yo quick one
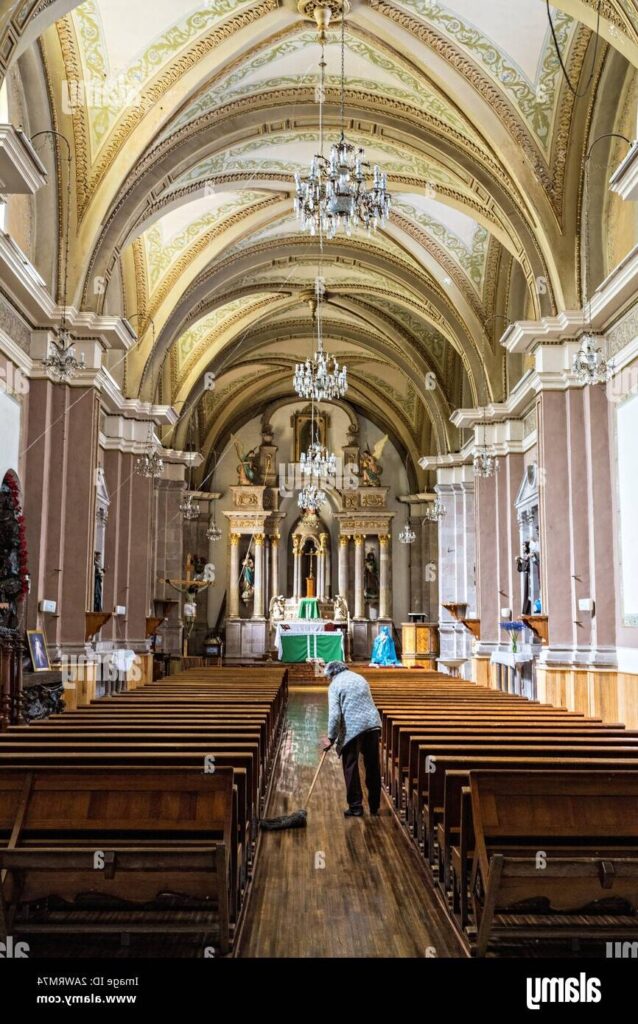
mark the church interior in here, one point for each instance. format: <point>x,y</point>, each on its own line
<point>318,343</point>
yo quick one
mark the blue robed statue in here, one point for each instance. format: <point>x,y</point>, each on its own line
<point>383,649</point>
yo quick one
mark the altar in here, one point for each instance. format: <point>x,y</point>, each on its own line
<point>308,640</point>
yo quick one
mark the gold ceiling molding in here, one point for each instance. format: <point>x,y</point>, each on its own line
<point>209,123</point>
<point>563,119</point>
<point>493,262</point>
<point>141,279</point>
<point>453,315</point>
<point>179,266</point>
<point>227,324</point>
<point>153,93</point>
<point>466,67</point>
<point>610,12</point>
<point>443,259</point>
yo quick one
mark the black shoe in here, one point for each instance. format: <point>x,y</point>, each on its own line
<point>356,813</point>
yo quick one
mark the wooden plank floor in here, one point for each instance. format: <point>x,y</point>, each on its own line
<point>341,887</point>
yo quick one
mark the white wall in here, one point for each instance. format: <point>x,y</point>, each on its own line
<point>627,493</point>
<point>10,417</point>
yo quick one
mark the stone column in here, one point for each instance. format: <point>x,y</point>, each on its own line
<point>233,577</point>
<point>296,577</point>
<point>359,600</point>
<point>274,565</point>
<point>384,576</point>
<point>342,581</point>
<point>258,603</point>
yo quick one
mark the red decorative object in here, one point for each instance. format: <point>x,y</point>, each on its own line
<point>12,484</point>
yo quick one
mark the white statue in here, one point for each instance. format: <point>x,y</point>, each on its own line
<point>276,608</point>
<point>340,609</point>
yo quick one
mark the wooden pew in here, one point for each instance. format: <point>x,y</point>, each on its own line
<point>586,823</point>
<point>126,837</point>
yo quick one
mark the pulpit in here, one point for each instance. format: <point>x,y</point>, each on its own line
<point>420,644</point>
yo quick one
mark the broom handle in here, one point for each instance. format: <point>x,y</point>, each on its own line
<point>312,785</point>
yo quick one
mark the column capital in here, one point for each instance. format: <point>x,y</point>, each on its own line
<point>234,539</point>
<point>343,540</point>
<point>275,538</point>
<point>358,539</point>
<point>296,544</point>
<point>384,539</point>
<point>323,541</point>
<point>258,539</point>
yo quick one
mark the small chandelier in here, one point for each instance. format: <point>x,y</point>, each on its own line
<point>61,359</point>
<point>435,511</point>
<point>484,462</point>
<point>590,365</point>
<point>150,464</point>
<point>311,498</point>
<point>321,377</point>
<point>407,534</point>
<point>317,463</point>
<point>213,532</point>
<point>483,459</point>
<point>189,510</point>
<point>335,195</point>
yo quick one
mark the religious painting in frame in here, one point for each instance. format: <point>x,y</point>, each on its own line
<point>302,430</point>
<point>38,650</point>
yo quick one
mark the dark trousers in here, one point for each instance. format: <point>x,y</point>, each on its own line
<point>366,743</point>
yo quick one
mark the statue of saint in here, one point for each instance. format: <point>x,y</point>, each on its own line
<point>383,649</point>
<point>248,468</point>
<point>371,468</point>
<point>339,609</point>
<point>248,578</point>
<point>98,574</point>
<point>525,564</point>
<point>277,608</point>
<point>371,577</point>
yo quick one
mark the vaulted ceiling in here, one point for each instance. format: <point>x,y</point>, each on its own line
<point>188,121</point>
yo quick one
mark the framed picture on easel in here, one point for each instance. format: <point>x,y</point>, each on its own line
<point>38,650</point>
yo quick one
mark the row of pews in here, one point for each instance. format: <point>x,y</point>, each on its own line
<point>139,812</point>
<point>526,814</point>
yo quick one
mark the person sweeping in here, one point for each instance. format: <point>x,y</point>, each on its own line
<point>354,727</point>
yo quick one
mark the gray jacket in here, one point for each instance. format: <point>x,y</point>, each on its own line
<point>351,709</point>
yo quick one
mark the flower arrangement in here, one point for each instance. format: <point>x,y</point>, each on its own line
<point>514,627</point>
<point>11,484</point>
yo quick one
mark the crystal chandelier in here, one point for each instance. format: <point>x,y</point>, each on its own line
<point>590,365</point>
<point>321,377</point>
<point>335,195</point>
<point>150,464</point>
<point>483,459</point>
<point>435,511</point>
<point>213,532</point>
<point>311,498</point>
<point>61,359</point>
<point>317,463</point>
<point>188,509</point>
<point>407,535</point>
<point>484,462</point>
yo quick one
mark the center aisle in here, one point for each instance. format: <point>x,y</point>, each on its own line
<point>341,887</point>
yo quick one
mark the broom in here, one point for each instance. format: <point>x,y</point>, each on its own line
<point>297,819</point>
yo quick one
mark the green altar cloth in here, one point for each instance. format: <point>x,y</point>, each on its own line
<point>301,646</point>
<point>309,608</point>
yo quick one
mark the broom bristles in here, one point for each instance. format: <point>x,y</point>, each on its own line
<point>298,819</point>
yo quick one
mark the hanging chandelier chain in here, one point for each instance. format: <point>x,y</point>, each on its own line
<point>343,72</point>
